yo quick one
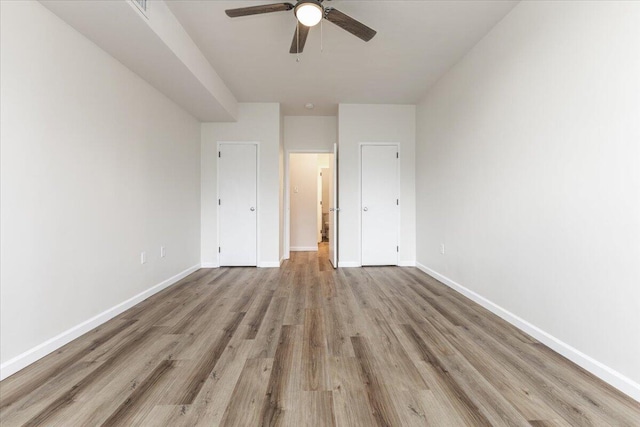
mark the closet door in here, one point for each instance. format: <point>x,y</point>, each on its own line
<point>379,204</point>
<point>237,204</point>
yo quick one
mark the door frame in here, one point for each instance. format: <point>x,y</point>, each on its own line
<point>398,189</point>
<point>258,209</point>
<point>287,195</point>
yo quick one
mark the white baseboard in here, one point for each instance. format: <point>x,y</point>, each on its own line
<point>269,264</point>
<point>607,374</point>
<point>209,265</point>
<point>349,264</point>
<point>406,264</point>
<point>304,249</point>
<point>21,361</point>
<point>281,261</point>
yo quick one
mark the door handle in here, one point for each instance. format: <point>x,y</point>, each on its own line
<point>332,209</point>
<point>252,209</point>
<point>365,209</point>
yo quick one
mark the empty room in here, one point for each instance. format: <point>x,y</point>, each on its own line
<point>319,213</point>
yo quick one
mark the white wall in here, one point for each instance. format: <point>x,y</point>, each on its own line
<point>310,133</point>
<point>256,122</point>
<point>529,172</point>
<point>303,190</point>
<point>96,167</point>
<point>282,208</point>
<point>374,123</point>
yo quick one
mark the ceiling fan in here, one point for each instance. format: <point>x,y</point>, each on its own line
<point>308,13</point>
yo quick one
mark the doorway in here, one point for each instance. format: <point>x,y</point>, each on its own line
<point>311,203</point>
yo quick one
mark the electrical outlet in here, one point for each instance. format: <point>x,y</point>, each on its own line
<point>163,252</point>
<point>442,248</point>
<point>143,257</point>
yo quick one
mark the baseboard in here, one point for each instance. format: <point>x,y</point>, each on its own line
<point>281,261</point>
<point>23,360</point>
<point>602,371</point>
<point>209,265</point>
<point>269,264</point>
<point>304,249</point>
<point>348,264</point>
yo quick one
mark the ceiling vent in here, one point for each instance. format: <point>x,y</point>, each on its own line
<point>142,5</point>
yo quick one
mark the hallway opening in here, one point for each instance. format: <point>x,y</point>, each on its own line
<point>311,200</point>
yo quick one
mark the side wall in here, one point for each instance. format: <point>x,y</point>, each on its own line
<point>97,167</point>
<point>374,123</point>
<point>256,122</point>
<point>529,174</point>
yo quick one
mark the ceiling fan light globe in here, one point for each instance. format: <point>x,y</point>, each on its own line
<point>309,13</point>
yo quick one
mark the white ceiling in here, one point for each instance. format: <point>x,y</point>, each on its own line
<point>417,42</point>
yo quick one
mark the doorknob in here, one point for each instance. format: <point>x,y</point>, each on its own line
<point>252,209</point>
<point>365,209</point>
<point>332,209</point>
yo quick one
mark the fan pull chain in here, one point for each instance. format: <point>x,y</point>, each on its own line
<point>321,47</point>
<point>297,42</point>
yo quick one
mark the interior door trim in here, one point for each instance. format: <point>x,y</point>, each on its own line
<point>287,195</point>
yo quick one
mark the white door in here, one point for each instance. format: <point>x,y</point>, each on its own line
<point>333,208</point>
<point>237,204</point>
<point>380,204</point>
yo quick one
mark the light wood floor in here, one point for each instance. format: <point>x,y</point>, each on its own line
<point>305,345</point>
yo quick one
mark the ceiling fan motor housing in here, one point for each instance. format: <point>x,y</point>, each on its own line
<point>309,12</point>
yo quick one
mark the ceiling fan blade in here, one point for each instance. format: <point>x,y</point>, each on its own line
<point>346,22</point>
<point>255,10</point>
<point>299,38</point>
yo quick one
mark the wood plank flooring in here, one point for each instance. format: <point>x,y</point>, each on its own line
<point>306,345</point>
